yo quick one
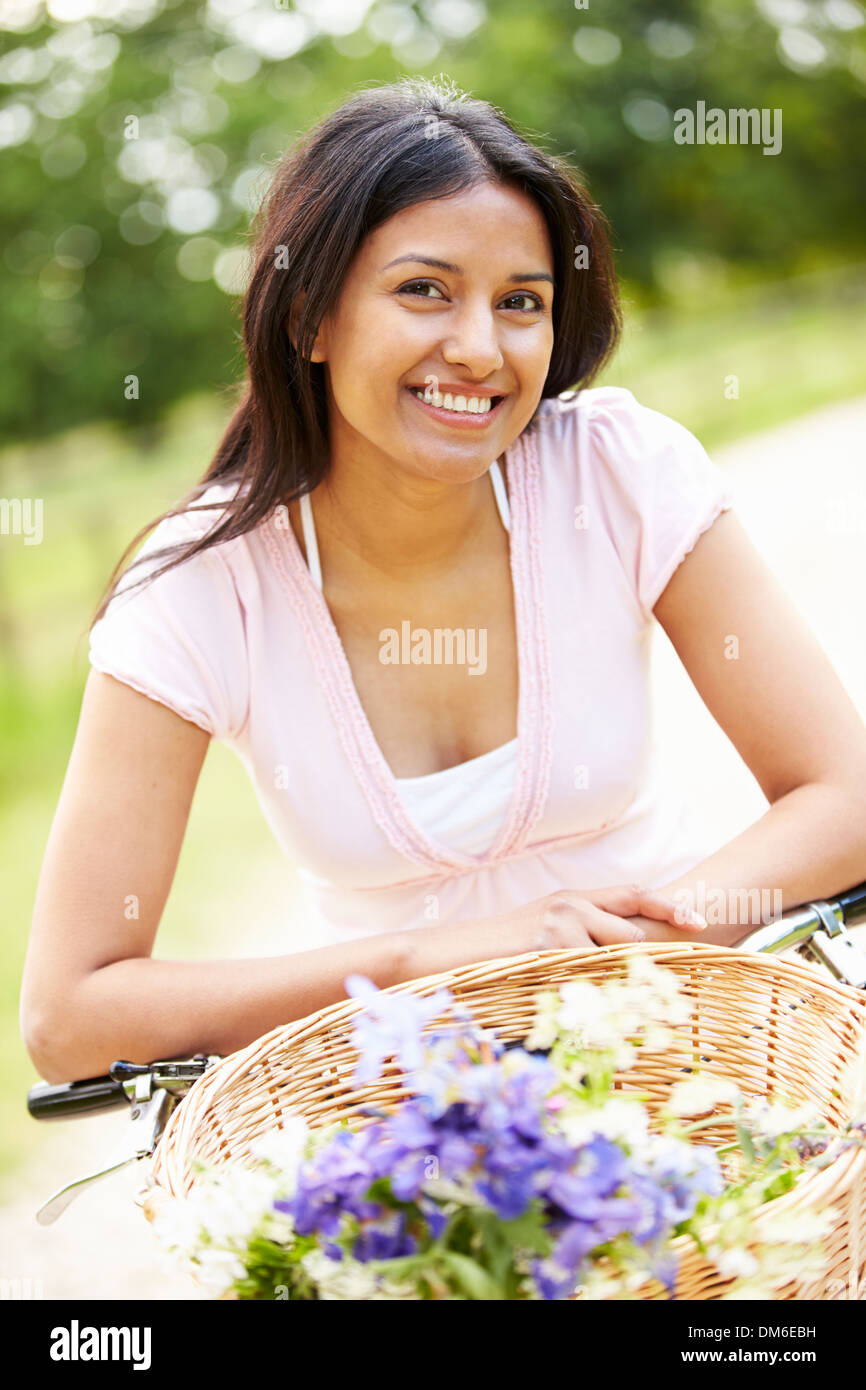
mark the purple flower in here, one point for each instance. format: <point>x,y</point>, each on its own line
<point>335,1181</point>
<point>551,1281</point>
<point>390,1024</point>
<point>434,1216</point>
<point>515,1101</point>
<point>599,1169</point>
<point>488,1126</point>
<point>387,1241</point>
<point>574,1244</point>
<point>664,1266</point>
<point>685,1173</point>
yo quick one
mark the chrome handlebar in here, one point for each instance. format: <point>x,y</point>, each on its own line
<point>153,1089</point>
<point>821,927</point>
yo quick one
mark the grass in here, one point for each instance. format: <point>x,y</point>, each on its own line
<point>792,350</point>
<point>233,888</point>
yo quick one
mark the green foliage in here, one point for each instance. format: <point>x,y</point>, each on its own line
<point>106,276</point>
<point>274,1271</point>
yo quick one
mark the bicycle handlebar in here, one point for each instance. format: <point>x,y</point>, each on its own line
<point>71,1098</point>
<point>68,1099</point>
<point>821,927</point>
<point>852,902</point>
<point>153,1089</point>
<point>821,924</point>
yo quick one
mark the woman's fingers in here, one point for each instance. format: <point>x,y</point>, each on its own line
<point>600,917</point>
<point>632,900</point>
<point>608,930</point>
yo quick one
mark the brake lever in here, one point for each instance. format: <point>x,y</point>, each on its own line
<point>819,928</point>
<point>153,1091</point>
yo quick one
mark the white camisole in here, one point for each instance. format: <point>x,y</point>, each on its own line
<point>461,806</point>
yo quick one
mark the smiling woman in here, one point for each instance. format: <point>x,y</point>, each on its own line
<point>426,285</point>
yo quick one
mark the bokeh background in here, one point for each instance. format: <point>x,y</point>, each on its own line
<point>137,138</point>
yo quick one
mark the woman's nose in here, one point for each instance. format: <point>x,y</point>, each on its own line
<point>474,341</point>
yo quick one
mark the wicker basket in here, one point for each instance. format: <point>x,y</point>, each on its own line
<point>778,1028</point>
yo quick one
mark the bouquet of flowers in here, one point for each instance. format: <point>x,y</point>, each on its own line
<point>510,1172</point>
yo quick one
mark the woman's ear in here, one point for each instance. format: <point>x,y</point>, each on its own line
<point>290,323</point>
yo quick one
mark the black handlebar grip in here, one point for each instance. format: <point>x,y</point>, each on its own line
<point>852,903</point>
<point>58,1102</point>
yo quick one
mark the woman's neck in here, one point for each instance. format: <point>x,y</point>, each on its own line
<point>400,529</point>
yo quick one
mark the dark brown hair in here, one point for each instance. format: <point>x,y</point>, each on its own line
<point>385,149</point>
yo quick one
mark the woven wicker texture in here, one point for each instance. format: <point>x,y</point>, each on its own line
<point>778,1028</point>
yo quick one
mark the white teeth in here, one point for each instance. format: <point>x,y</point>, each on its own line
<point>461,405</point>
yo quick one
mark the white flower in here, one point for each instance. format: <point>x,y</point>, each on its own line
<point>657,1037</point>
<point>452,1190</point>
<point>590,1012</point>
<point>662,999</point>
<point>699,1094</point>
<point>734,1263</point>
<point>351,1280</point>
<point>277,1226</point>
<point>545,1027</point>
<point>619,1016</point>
<point>215,1270</point>
<point>633,1279</point>
<point>223,1211</point>
<point>338,1278</point>
<point>284,1149</point>
<point>800,1227</point>
<point>615,1119</point>
<point>770,1119</point>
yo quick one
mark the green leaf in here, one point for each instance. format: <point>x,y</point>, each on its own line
<point>783,1182</point>
<point>470,1277</point>
<point>746,1144</point>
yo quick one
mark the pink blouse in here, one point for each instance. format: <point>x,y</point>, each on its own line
<point>606,497</point>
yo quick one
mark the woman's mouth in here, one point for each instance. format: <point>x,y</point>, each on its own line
<point>466,412</point>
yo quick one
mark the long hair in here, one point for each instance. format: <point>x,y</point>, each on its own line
<point>385,149</point>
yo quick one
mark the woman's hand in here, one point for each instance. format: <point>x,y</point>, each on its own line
<point>596,917</point>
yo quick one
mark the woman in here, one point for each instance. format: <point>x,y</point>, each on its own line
<point>416,600</point>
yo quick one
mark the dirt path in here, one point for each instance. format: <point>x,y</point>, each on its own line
<point>801,497</point>
<point>798,486</point>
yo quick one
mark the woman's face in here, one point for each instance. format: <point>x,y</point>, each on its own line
<point>477,323</point>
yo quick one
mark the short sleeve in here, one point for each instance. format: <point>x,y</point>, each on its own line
<point>180,638</point>
<point>660,490</point>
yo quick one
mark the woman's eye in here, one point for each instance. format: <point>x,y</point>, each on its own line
<point>535,303</point>
<point>411,287</point>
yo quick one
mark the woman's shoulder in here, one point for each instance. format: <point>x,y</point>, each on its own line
<point>192,520</point>
<point>604,441</point>
<point>609,429</point>
<point>597,405</point>
<point>186,523</point>
<point>204,511</point>
<point>174,628</point>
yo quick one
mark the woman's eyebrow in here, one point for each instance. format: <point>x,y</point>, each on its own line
<point>458,270</point>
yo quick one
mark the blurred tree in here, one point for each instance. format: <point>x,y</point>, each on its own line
<point>139,135</point>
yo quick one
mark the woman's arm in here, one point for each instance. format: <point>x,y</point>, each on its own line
<point>92,992</point>
<point>771,687</point>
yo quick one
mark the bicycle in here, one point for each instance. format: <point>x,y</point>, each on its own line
<point>819,930</point>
